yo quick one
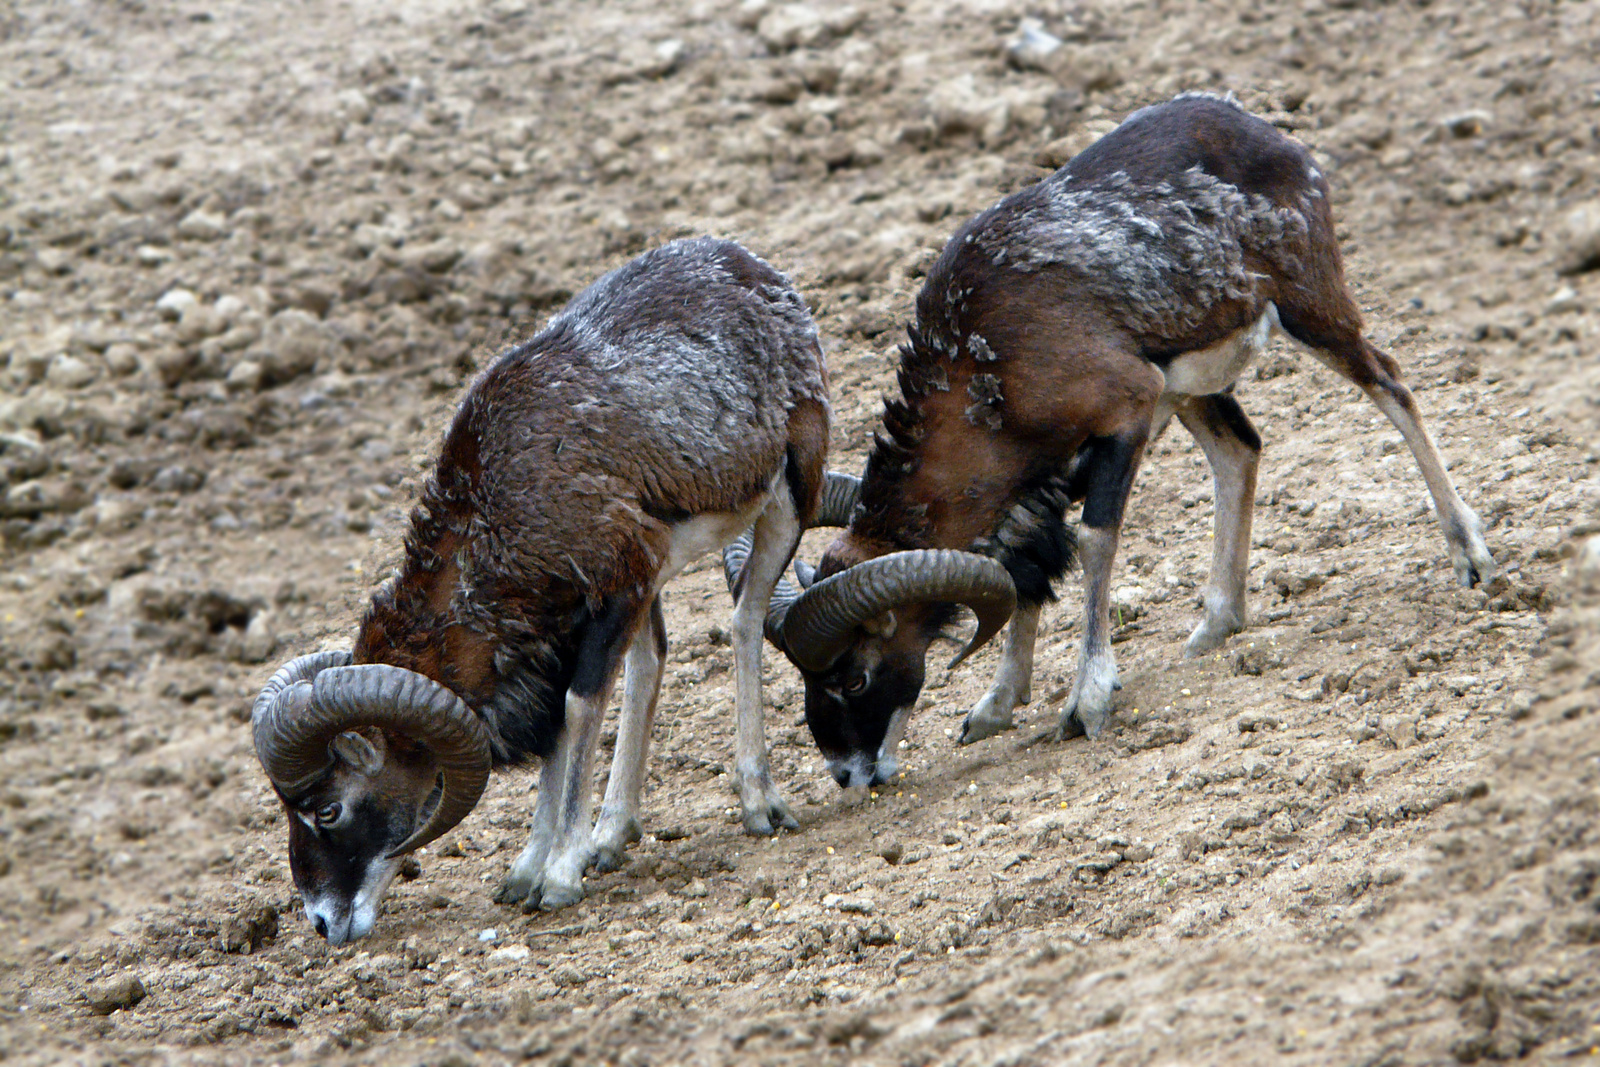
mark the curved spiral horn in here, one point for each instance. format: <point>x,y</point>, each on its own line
<point>307,704</point>
<point>290,770</point>
<point>821,623</point>
<point>840,492</point>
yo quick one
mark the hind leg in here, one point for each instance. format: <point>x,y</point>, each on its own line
<point>776,535</point>
<point>1379,377</point>
<point>1331,328</point>
<point>1013,682</point>
<point>1233,448</point>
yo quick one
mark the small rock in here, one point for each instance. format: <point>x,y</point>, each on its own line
<point>114,994</point>
<point>802,26</point>
<point>1032,47</point>
<point>352,105</point>
<point>54,260</point>
<point>1467,124</point>
<point>292,344</point>
<point>1137,853</point>
<point>249,930</point>
<point>376,450</point>
<point>1577,240</point>
<point>201,225</point>
<point>852,905</point>
<point>122,359</point>
<point>511,954</point>
<point>1401,731</point>
<point>568,977</point>
<point>199,322</point>
<point>489,936</point>
<point>1586,566</point>
<point>42,410</point>
<point>230,307</point>
<point>260,639</point>
<point>435,258</point>
<point>1563,301</point>
<point>877,933</point>
<point>891,852</point>
<point>115,514</point>
<point>153,255</point>
<point>174,302</point>
<point>177,479</point>
<point>1509,447</point>
<point>1520,704</point>
<point>957,106</point>
<point>655,61</point>
<point>246,376</point>
<point>49,496</point>
<point>69,372</point>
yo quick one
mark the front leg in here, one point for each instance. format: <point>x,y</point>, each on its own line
<point>565,786</point>
<point>1013,682</point>
<point>1088,706</point>
<point>1108,465</point>
<point>776,535</point>
<point>572,851</point>
<point>1233,448</point>
<point>619,825</point>
<point>527,871</point>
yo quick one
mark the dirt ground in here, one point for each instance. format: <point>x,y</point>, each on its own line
<point>249,253</point>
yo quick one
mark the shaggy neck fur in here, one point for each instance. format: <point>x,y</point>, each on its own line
<point>1027,534</point>
<point>508,650</point>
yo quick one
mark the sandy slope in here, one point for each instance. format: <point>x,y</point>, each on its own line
<point>1362,833</point>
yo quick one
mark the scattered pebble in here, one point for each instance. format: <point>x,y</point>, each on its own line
<point>1033,46</point>
<point>115,994</point>
<point>69,372</point>
<point>1576,239</point>
<point>174,302</point>
<point>202,226</point>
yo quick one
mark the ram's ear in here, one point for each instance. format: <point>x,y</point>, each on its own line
<point>883,626</point>
<point>364,754</point>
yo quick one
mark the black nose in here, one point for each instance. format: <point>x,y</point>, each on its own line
<point>842,776</point>
<point>322,926</point>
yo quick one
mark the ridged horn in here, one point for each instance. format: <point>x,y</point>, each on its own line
<point>840,492</point>
<point>307,705</point>
<point>290,767</point>
<point>821,623</point>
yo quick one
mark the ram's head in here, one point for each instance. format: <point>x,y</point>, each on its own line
<point>371,762</point>
<point>860,633</point>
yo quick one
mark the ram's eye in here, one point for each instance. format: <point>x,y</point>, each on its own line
<point>856,684</point>
<point>328,814</point>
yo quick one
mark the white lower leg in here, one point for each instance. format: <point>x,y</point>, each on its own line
<point>571,851</point>
<point>1089,703</point>
<point>1233,471</point>
<point>619,824</point>
<point>1013,682</point>
<point>1462,529</point>
<point>776,534</point>
<point>527,869</point>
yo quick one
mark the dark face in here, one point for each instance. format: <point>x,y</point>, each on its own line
<point>342,829</point>
<point>858,709</point>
